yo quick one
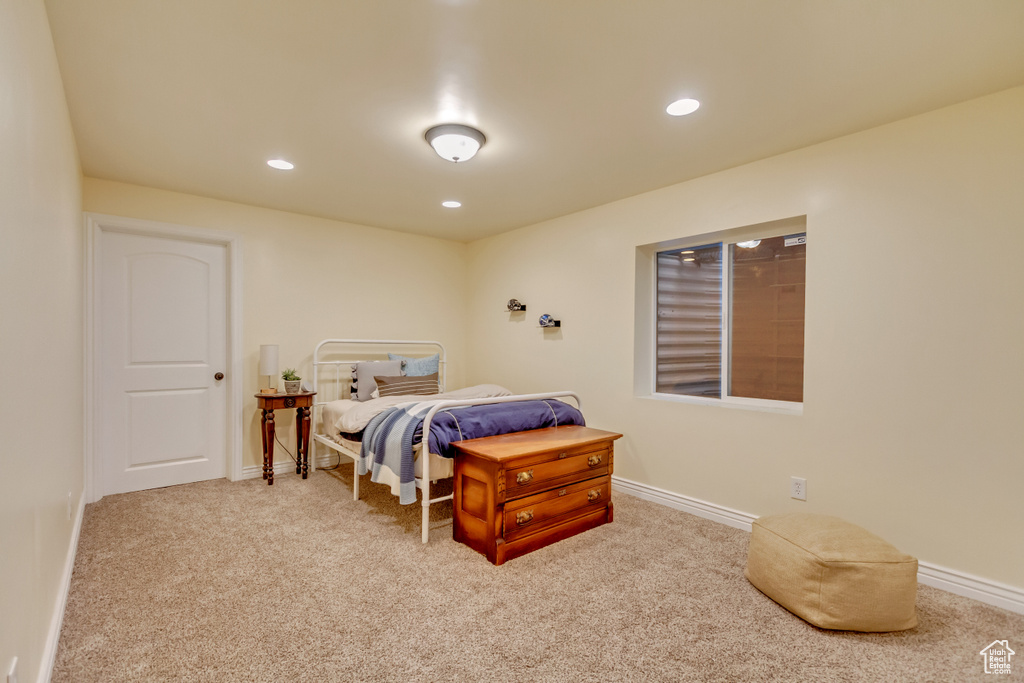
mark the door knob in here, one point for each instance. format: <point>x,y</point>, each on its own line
<point>219,376</point>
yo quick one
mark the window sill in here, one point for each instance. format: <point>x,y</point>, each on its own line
<point>759,405</point>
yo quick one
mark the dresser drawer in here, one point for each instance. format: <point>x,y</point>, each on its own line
<point>539,511</point>
<point>557,468</point>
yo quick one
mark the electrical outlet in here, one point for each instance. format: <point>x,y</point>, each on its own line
<point>12,673</point>
<point>798,488</point>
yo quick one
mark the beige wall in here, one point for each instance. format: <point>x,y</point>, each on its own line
<point>306,279</point>
<point>914,384</point>
<point>41,413</point>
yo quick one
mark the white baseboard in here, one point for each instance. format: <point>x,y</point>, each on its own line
<point>976,588</point>
<point>328,460</point>
<point>983,590</point>
<point>256,471</point>
<point>57,618</point>
<point>700,508</point>
<point>287,465</point>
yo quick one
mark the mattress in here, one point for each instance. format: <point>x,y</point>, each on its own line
<point>349,417</point>
<point>343,419</point>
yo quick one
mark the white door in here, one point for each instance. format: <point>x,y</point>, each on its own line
<point>161,360</point>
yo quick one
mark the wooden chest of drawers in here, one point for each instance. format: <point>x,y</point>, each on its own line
<point>518,492</point>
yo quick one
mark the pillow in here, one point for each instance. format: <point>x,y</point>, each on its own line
<point>406,385</point>
<point>419,367</point>
<point>362,376</point>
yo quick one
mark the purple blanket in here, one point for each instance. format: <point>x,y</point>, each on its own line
<point>471,422</point>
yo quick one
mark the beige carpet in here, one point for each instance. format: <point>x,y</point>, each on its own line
<point>221,581</point>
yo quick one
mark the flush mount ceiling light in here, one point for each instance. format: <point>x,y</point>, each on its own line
<point>451,204</point>
<point>281,164</point>
<point>682,107</point>
<point>454,141</point>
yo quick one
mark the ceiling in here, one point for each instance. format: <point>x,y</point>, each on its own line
<point>196,95</point>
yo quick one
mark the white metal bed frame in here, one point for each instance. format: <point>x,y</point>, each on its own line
<point>342,374</point>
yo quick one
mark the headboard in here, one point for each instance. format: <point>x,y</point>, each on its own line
<point>333,359</point>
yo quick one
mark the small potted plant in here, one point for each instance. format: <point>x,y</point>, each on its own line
<point>292,382</point>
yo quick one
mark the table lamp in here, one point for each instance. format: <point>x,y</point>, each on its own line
<point>268,366</point>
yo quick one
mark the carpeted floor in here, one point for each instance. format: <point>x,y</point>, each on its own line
<point>221,581</point>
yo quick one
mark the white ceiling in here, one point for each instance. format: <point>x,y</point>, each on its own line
<point>195,95</point>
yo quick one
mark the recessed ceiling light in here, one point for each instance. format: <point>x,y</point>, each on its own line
<point>281,164</point>
<point>451,204</point>
<point>682,107</point>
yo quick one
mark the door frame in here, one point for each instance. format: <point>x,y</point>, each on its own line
<point>95,225</point>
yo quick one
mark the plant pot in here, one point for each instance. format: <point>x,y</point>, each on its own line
<point>292,386</point>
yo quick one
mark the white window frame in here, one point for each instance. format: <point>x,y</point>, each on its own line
<point>727,238</point>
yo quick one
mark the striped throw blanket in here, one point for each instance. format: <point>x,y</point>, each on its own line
<point>387,443</point>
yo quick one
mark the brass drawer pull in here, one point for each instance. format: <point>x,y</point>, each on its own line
<point>524,517</point>
<point>594,460</point>
<point>524,477</point>
<point>593,495</point>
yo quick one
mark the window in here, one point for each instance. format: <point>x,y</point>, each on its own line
<point>730,319</point>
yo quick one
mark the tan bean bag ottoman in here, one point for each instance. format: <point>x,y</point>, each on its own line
<point>832,573</point>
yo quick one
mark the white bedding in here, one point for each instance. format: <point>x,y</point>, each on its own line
<point>351,417</point>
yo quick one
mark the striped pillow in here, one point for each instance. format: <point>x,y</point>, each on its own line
<point>403,385</point>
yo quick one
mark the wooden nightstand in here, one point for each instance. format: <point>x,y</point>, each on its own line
<point>518,492</point>
<point>302,403</point>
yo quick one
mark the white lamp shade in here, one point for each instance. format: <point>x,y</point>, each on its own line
<point>455,142</point>
<point>268,360</point>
